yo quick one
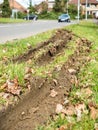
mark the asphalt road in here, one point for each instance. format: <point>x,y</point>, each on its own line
<point>10,32</point>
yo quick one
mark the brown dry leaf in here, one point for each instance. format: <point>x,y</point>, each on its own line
<point>3,86</point>
<point>58,68</point>
<point>59,108</point>
<point>29,87</point>
<point>87,91</point>
<point>27,76</point>
<point>13,87</point>
<point>93,112</point>
<point>96,126</point>
<point>5,58</point>
<point>29,61</point>
<point>72,71</point>
<point>63,127</point>
<point>69,110</point>
<point>28,70</point>
<point>16,82</point>
<point>79,109</point>
<point>53,93</point>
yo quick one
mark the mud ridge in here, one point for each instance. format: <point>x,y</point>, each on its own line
<point>60,35</point>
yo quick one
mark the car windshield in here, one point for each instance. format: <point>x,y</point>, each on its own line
<point>64,15</point>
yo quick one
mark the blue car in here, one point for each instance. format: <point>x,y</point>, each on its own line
<point>64,18</point>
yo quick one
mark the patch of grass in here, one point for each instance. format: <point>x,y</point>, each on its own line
<point>85,124</point>
<point>10,20</point>
<point>18,47</point>
<point>16,71</point>
<point>2,101</point>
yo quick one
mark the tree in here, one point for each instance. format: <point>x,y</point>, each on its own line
<point>31,8</point>
<point>57,6</point>
<point>6,11</point>
<point>60,6</point>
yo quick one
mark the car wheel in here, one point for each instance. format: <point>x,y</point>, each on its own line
<point>68,20</point>
<point>35,18</point>
<point>25,19</point>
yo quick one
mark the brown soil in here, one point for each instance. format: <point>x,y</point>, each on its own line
<point>38,106</point>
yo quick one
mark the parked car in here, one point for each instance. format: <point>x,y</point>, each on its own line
<point>64,18</point>
<point>31,17</point>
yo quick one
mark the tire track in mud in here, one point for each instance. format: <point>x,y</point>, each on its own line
<point>36,107</point>
<point>52,47</point>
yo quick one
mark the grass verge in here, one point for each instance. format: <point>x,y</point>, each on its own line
<point>88,78</point>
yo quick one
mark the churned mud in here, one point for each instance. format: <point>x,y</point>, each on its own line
<point>38,105</point>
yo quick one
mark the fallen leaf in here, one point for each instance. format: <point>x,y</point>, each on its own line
<point>79,109</point>
<point>28,70</point>
<point>72,71</point>
<point>69,110</point>
<point>53,93</point>
<point>29,87</point>
<point>59,108</point>
<point>88,92</point>
<point>96,126</point>
<point>27,76</point>
<point>66,101</point>
<point>93,110</point>
<point>29,61</point>
<point>63,127</point>
<point>3,86</point>
<point>93,113</point>
<point>13,87</point>
<point>5,58</point>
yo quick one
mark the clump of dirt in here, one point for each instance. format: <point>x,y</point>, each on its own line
<point>40,103</point>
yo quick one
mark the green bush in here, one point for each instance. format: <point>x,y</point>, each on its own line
<point>49,15</point>
<point>21,15</point>
<point>88,16</point>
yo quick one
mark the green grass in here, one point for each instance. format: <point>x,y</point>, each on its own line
<point>87,75</point>
<point>15,48</point>
<point>10,20</point>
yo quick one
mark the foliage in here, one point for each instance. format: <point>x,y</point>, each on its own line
<point>57,6</point>
<point>83,16</point>
<point>6,11</point>
<point>72,9</point>
<point>41,8</point>
<point>20,15</point>
<point>60,6</point>
<point>49,15</point>
<point>9,20</point>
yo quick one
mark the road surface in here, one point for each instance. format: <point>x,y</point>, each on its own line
<point>10,32</point>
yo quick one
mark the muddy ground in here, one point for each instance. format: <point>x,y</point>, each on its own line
<point>37,106</point>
